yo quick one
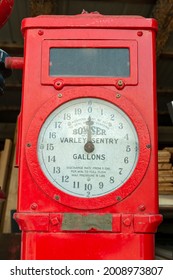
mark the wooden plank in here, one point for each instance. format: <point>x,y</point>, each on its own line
<point>166,186</point>
<point>169,149</point>
<point>164,156</point>
<point>163,159</point>
<point>165,193</point>
<point>164,153</point>
<point>167,54</point>
<point>165,200</point>
<point>165,172</point>
<point>164,252</point>
<point>11,201</point>
<point>5,162</point>
<point>165,179</point>
<point>164,166</point>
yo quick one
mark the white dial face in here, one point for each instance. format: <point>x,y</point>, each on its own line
<point>88,147</point>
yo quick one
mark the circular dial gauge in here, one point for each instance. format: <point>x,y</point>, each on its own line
<point>88,147</point>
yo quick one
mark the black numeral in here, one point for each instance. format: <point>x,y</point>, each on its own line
<point>126,160</point>
<point>111,180</point>
<point>78,111</point>
<point>76,185</point>
<point>65,179</point>
<point>67,116</point>
<point>50,147</point>
<point>56,170</point>
<point>120,171</point>
<point>51,159</point>
<point>52,135</point>
<point>88,187</point>
<point>58,124</point>
<point>128,148</point>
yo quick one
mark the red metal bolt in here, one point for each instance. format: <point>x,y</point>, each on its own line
<point>40,32</point>
<point>120,84</point>
<point>127,222</point>
<point>58,84</point>
<point>118,95</point>
<point>139,33</point>
<point>54,221</point>
<point>34,206</point>
<point>142,207</point>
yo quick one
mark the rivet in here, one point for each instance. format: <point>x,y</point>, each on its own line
<point>127,222</point>
<point>59,95</point>
<point>142,207</point>
<point>148,146</point>
<point>56,197</point>
<point>118,95</point>
<point>40,32</point>
<point>54,221</point>
<point>28,145</point>
<point>120,83</point>
<point>118,198</point>
<point>34,206</point>
<point>58,84</point>
<point>139,33</point>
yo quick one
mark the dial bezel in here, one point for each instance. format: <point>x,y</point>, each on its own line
<point>97,202</point>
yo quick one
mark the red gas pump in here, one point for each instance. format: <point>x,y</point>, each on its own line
<point>88,138</point>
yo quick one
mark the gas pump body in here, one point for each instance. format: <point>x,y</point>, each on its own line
<point>82,213</point>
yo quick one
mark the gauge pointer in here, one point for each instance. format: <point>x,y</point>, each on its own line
<point>89,146</point>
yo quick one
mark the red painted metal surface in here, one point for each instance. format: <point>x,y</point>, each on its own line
<point>6,7</point>
<point>14,62</point>
<point>87,246</point>
<point>132,220</point>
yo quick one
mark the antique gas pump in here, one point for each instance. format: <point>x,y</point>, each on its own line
<point>88,138</point>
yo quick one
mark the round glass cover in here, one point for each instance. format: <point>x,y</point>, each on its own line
<point>88,147</point>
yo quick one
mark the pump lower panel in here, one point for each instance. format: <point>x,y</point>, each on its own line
<point>87,246</point>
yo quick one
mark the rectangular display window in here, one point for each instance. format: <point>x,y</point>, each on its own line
<point>89,62</point>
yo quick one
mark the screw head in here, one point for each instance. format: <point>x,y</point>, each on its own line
<point>40,32</point>
<point>142,207</point>
<point>139,33</point>
<point>54,221</point>
<point>58,84</point>
<point>34,206</point>
<point>56,197</point>
<point>120,84</point>
<point>127,222</point>
<point>118,95</point>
